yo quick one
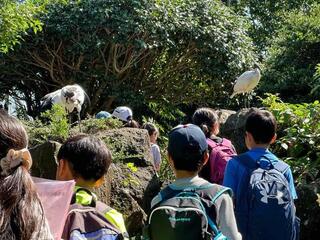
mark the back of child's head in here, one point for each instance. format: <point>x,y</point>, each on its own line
<point>131,124</point>
<point>12,134</point>
<point>22,215</point>
<point>205,118</point>
<point>262,125</point>
<point>88,156</point>
<point>150,127</point>
<point>187,147</point>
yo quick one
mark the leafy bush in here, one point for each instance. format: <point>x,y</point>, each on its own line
<point>55,127</point>
<point>298,136</point>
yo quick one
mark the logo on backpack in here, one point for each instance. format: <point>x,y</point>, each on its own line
<point>266,196</point>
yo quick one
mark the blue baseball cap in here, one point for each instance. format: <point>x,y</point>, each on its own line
<point>186,141</point>
<point>103,115</point>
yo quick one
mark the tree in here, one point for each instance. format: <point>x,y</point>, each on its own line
<point>16,17</point>
<point>174,52</point>
<point>294,56</point>
<point>266,17</point>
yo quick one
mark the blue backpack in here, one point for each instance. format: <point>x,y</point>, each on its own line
<point>183,215</point>
<point>264,206</point>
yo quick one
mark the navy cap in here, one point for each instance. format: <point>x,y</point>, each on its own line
<point>186,140</point>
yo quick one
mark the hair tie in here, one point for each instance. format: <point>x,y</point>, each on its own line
<point>14,159</point>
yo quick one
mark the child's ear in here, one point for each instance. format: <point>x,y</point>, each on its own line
<point>60,167</point>
<point>205,158</point>
<point>216,127</point>
<point>63,171</point>
<point>274,138</point>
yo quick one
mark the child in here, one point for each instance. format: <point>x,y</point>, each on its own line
<point>187,153</point>
<point>126,116</point>
<point>221,149</point>
<point>86,159</point>
<point>153,133</point>
<point>266,211</point>
<point>21,212</point>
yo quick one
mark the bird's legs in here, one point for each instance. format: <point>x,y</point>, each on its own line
<point>79,121</point>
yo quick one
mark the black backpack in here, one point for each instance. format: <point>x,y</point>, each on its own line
<point>184,215</point>
<point>89,222</point>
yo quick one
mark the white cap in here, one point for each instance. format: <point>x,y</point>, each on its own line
<point>123,113</point>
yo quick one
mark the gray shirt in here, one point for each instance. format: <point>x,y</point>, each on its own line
<point>224,206</point>
<point>156,155</point>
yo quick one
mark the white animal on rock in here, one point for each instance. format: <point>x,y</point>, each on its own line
<point>71,97</point>
<point>247,81</point>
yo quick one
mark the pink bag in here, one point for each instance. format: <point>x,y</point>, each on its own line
<point>221,152</point>
<point>55,197</point>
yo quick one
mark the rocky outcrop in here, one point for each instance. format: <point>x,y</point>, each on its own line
<point>130,183</point>
<point>44,160</point>
<point>232,127</point>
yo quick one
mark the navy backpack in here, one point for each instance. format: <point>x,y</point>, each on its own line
<point>264,206</point>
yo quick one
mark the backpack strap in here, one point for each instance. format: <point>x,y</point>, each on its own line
<point>93,200</point>
<point>281,166</point>
<point>214,199</point>
<point>246,160</point>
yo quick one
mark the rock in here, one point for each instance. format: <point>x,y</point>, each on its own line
<point>44,160</point>
<point>128,145</point>
<point>308,209</point>
<point>130,191</point>
<point>232,127</point>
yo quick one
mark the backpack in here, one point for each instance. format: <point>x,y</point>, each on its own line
<point>222,151</point>
<point>183,214</point>
<point>89,222</point>
<point>264,206</point>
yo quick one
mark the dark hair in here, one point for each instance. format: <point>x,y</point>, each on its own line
<point>262,125</point>
<point>205,118</point>
<point>21,212</point>
<point>12,134</point>
<point>131,124</point>
<point>89,156</point>
<point>193,162</point>
<point>151,128</point>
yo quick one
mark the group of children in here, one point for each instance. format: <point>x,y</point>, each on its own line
<point>222,204</point>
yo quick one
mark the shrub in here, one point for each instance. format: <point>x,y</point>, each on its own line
<point>298,136</point>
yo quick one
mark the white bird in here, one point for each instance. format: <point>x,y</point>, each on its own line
<point>247,81</point>
<point>71,97</point>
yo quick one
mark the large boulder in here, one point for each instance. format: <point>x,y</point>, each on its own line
<point>232,126</point>
<point>44,160</point>
<point>131,182</point>
<point>128,145</point>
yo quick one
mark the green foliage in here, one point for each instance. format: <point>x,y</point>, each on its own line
<point>294,56</point>
<point>129,179</point>
<point>56,128</point>
<point>93,125</point>
<point>165,52</point>
<point>266,17</point>
<point>298,136</point>
<point>16,18</point>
